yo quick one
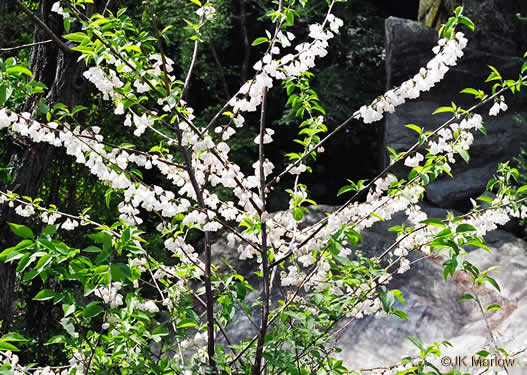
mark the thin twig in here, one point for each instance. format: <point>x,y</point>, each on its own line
<point>246,46</point>
<point>161,50</point>
<point>265,259</point>
<point>11,49</point>
<point>184,92</point>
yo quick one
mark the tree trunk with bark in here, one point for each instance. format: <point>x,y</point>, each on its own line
<point>61,73</point>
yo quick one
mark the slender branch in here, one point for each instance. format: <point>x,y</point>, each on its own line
<point>367,187</point>
<point>184,92</point>
<point>106,7</point>
<point>491,334</point>
<point>246,46</point>
<point>207,250</point>
<point>45,27</point>
<point>265,261</point>
<point>10,49</point>
<point>160,45</point>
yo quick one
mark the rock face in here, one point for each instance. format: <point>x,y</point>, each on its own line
<point>408,47</point>
<point>431,302</point>
<point>433,313</point>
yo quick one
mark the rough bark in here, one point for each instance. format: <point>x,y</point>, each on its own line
<point>62,75</point>
<point>434,13</point>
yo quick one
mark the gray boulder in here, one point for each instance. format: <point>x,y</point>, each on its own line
<point>431,302</point>
<point>434,315</point>
<point>408,47</point>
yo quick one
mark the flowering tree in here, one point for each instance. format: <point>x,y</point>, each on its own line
<point>309,279</point>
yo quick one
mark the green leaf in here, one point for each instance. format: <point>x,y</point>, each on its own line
<point>120,272</point>
<point>187,323</point>
<point>387,300</point>
<point>19,69</point>
<point>400,314</point>
<point>76,37</point>
<point>92,249</point>
<point>4,345</point>
<point>470,91</point>
<point>414,128</point>
<point>479,244</point>
<point>21,231</point>
<point>443,109</point>
<point>93,309</point>
<point>44,295</point>
<point>485,199</point>
<point>68,309</point>
<point>483,353</point>
<point>462,228</point>
<point>417,342</point>
<point>10,254</point>
<point>5,93</point>
<point>298,214</point>
<point>50,230</point>
<point>467,22</point>
<point>290,17</point>
<point>60,339</point>
<point>464,154</point>
<point>345,189</point>
<point>493,307</point>
<point>13,336</point>
<point>465,297</point>
<point>520,190</point>
<point>24,262</point>
<point>399,295</point>
<point>491,281</point>
<point>67,24</point>
<point>260,40</point>
<point>435,222</point>
<point>43,262</point>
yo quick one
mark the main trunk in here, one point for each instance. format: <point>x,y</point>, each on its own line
<point>62,75</point>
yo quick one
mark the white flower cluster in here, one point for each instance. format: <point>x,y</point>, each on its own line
<point>78,361</point>
<point>447,53</point>
<point>367,307</point>
<point>199,340</point>
<point>206,12</point>
<point>184,251</point>
<point>214,164</point>
<point>69,224</point>
<point>413,161</point>
<point>104,84</point>
<point>287,66</point>
<point>498,106</point>
<point>141,123</point>
<point>5,119</point>
<point>50,217</point>
<point>268,137</point>
<point>110,295</point>
<point>445,143</point>
<point>11,359</point>
<point>359,213</point>
<point>57,8</point>
<point>87,147</point>
<point>25,210</point>
<point>148,305</point>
